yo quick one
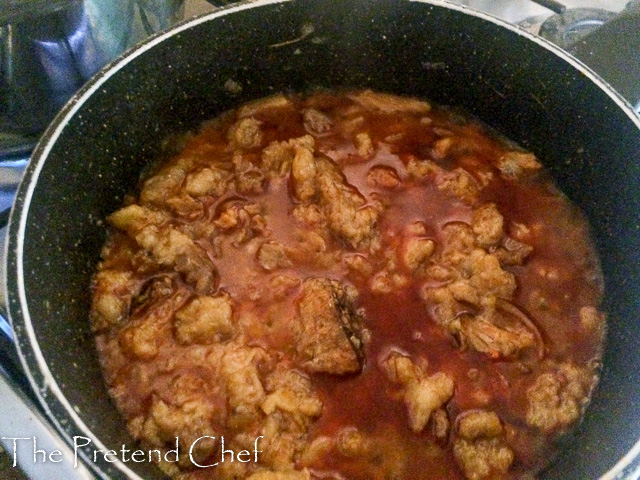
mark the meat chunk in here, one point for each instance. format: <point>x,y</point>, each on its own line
<point>480,449</point>
<point>422,168</point>
<point>482,458</point>
<point>389,103</point>
<point>168,246</point>
<point>479,423</point>
<point>291,392</point>
<point>272,256</point>
<point>164,184</point>
<point>113,292</point>
<point>262,105</point>
<point>422,394</point>
<point>593,320</point>
<point>425,396</point>
<point>516,164</point>
<point>440,423</point>
<point>328,329</point>
<point>245,133</point>
<point>242,220</point>
<point>501,337</point>
<point>557,398</point>
<point>459,183</point>
<point>150,322</point>
<point>487,225</point>
<point>487,277</point>
<point>141,339</point>
<point>469,261</point>
<point>383,176</point>
<point>207,181</point>
<point>303,171</point>
<point>204,320</point>
<point>512,251</point>
<point>316,122</point>
<point>417,252</point>
<point>363,144</point>
<point>347,215</point>
<point>184,423</point>
<point>277,157</point>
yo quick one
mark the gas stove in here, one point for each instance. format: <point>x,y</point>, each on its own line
<point>566,24</point>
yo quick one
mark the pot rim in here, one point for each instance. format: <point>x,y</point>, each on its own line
<point>35,366</point>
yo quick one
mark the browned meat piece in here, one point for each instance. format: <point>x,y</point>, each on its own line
<point>487,277</point>
<point>458,243</point>
<point>417,252</point>
<point>204,320</point>
<point>291,391</point>
<point>316,122</point>
<point>459,183</point>
<point>515,164</point>
<point>487,224</point>
<point>558,398</point>
<point>440,424</point>
<point>168,246</point>
<point>389,103</point>
<point>425,396</point>
<point>165,184</point>
<point>382,176</point>
<point>303,171</point>
<point>207,181</point>
<point>512,252</point>
<point>480,449</point>
<point>272,256</point>
<point>242,220</point>
<point>352,443</point>
<point>422,394</point>
<point>277,157</point>
<point>482,458</point>
<point>184,423</point>
<point>248,178</point>
<point>245,133</point>
<point>291,405</point>
<point>112,294</point>
<point>422,168</point>
<point>386,281</point>
<point>141,339</point>
<point>328,330</point>
<point>348,216</point>
<point>593,320</point>
<point>363,143</point>
<point>262,105</point>
<point>441,147</point>
<point>479,423</point>
<point>495,339</point>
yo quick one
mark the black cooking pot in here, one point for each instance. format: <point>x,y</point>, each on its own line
<point>93,153</point>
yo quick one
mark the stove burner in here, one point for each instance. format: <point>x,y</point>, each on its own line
<point>567,28</point>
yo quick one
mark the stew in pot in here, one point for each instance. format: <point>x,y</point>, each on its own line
<point>348,285</point>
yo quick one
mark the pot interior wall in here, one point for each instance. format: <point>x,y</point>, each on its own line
<point>509,81</point>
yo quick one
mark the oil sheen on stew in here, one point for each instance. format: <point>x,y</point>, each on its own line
<point>378,287</point>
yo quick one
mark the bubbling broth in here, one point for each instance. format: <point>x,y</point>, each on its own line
<point>369,286</point>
